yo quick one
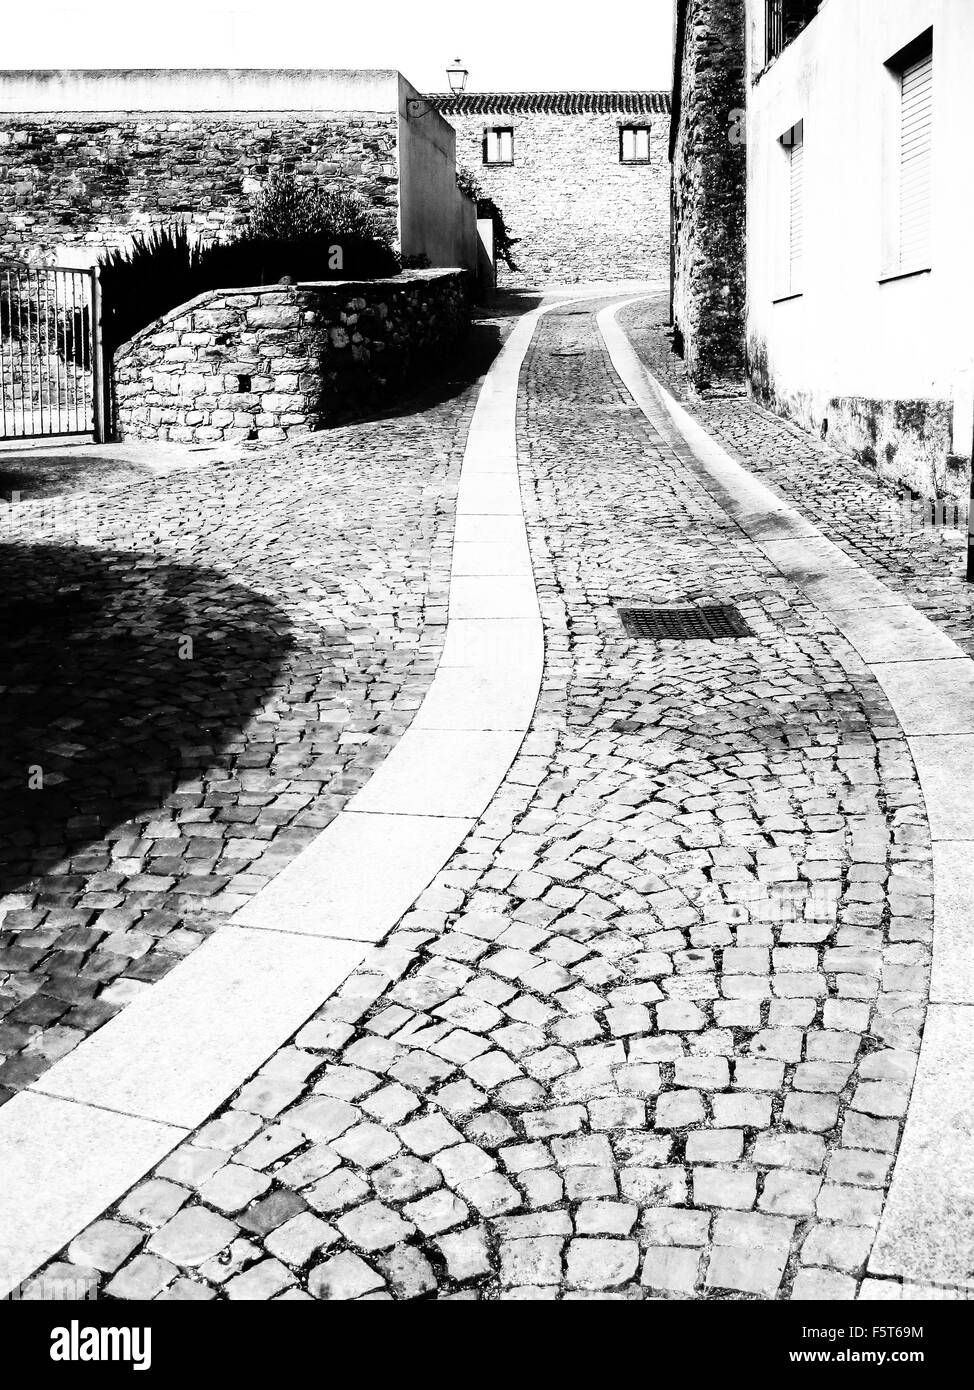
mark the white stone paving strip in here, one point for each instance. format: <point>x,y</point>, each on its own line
<point>202,1029</point>
<point>101,1117</point>
<point>62,1164</point>
<point>927,1229</point>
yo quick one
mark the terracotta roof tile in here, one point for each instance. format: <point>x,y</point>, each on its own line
<point>558,103</point>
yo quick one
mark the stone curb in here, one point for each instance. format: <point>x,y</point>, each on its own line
<point>927,1229</point>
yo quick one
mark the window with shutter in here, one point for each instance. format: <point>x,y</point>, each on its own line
<point>634,144</point>
<point>499,145</point>
<point>796,210</point>
<point>791,259</point>
<point>908,161</point>
<point>916,163</point>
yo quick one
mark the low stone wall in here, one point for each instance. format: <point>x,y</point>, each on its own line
<point>268,363</point>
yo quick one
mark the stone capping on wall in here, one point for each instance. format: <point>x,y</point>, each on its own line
<point>267,362</point>
<point>162,90</point>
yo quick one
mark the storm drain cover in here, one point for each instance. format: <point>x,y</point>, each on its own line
<point>705,624</point>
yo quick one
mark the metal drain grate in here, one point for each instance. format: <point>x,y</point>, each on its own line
<point>705,624</point>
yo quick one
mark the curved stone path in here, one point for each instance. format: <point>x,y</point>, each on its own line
<point>157,1069</point>
<point>651,1031</point>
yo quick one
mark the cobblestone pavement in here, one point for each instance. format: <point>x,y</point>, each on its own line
<point>900,539</point>
<point>199,671</point>
<point>651,1032</point>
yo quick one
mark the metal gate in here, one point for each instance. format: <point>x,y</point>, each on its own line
<point>51,380</point>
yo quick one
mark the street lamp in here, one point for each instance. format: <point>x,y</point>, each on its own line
<point>457,76</point>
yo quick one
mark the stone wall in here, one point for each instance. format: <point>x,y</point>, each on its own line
<point>709,191</point>
<point>269,363</point>
<point>90,180</point>
<point>579,213</point>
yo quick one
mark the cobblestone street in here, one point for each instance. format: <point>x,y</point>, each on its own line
<point>312,585</point>
<point>651,1032</point>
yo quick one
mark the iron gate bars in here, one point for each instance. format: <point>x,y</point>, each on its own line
<point>50,368</point>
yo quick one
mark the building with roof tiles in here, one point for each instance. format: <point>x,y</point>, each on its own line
<point>582,178</point>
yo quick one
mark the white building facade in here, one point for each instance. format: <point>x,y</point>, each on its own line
<point>860,204</point>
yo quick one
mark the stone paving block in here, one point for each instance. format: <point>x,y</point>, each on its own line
<point>723,1187</point>
<point>438,1212</point>
<point>230,1189</point>
<point>531,1261</point>
<point>298,1239</point>
<point>466,1253</point>
<point>104,1245</point>
<point>373,1226</point>
<point>407,1271</point>
<point>192,1236</point>
<point>344,1276</point>
<point>746,1270</point>
<point>822,1286</point>
<point>262,1281</point>
<point>605,1218</point>
<point>142,1278</point>
<point>672,1268</point>
<point>652,1186</point>
<point>844,1248</point>
<point>429,1135</point>
<point>490,1194</point>
<point>601,1263</point>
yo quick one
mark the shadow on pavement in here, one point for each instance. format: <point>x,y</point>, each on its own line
<point>59,471</point>
<point>448,379</point>
<point>120,675</point>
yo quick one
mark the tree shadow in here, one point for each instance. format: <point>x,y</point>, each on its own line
<point>61,471</point>
<point>432,380</point>
<point>444,376</point>
<point>121,674</point>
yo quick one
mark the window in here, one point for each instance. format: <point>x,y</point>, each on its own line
<point>634,144</point>
<point>914,175</point>
<point>499,145</point>
<point>793,143</point>
<point>784,21</point>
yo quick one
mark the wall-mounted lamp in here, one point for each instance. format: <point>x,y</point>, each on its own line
<point>457,76</point>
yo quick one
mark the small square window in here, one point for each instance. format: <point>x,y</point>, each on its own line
<point>634,144</point>
<point>499,145</point>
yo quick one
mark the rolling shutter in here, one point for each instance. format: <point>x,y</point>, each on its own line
<point>796,249</point>
<point>916,161</point>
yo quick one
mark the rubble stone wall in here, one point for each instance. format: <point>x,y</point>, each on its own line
<point>92,180</point>
<point>709,191</point>
<point>266,364</point>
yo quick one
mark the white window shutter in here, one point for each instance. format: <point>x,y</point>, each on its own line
<point>796,240</point>
<point>916,163</point>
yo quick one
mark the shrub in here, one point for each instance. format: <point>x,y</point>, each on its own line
<point>301,232</point>
<point>468,183</point>
<point>285,210</point>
